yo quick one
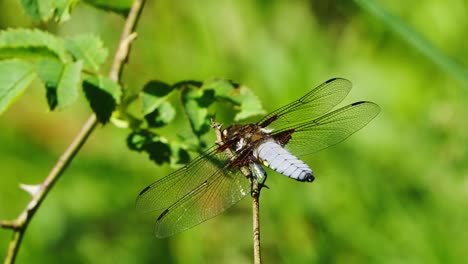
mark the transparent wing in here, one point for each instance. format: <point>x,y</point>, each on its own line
<point>224,189</point>
<point>315,103</point>
<point>202,189</point>
<point>164,192</point>
<point>328,130</point>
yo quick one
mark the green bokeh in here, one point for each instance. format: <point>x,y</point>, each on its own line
<point>395,192</point>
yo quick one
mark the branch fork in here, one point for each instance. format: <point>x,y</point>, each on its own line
<point>39,192</point>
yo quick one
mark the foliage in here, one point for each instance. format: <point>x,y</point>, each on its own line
<point>65,64</point>
<point>394,192</point>
<point>60,10</point>
<point>196,98</point>
<point>15,76</point>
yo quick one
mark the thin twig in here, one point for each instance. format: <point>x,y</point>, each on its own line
<point>256,221</point>
<point>7,224</point>
<point>20,224</point>
<point>125,40</point>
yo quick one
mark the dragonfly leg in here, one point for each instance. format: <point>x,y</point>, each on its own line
<point>255,189</point>
<point>262,183</point>
<point>259,177</point>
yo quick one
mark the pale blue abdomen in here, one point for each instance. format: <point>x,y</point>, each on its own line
<point>274,156</point>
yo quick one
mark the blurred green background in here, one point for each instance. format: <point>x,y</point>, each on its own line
<point>395,192</point>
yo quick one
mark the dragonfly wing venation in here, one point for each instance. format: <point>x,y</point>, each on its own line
<point>222,190</point>
<point>164,192</point>
<point>330,129</point>
<point>315,103</point>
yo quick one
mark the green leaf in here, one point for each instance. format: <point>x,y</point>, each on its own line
<point>197,115</point>
<point>103,95</point>
<point>197,99</point>
<point>43,10</point>
<point>180,155</point>
<point>137,140</point>
<point>119,6</point>
<point>187,84</point>
<point>239,95</point>
<point>31,44</point>
<point>61,81</point>
<point>161,116</point>
<point>154,94</point>
<point>250,104</point>
<point>63,9</point>
<point>50,72</point>
<point>67,90</point>
<point>155,146</point>
<point>38,9</point>
<point>88,48</point>
<point>15,76</point>
<point>159,152</point>
<point>224,89</point>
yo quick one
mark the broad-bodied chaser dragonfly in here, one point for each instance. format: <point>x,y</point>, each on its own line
<point>215,181</point>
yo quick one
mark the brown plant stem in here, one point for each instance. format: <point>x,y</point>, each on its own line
<point>256,221</point>
<point>40,191</point>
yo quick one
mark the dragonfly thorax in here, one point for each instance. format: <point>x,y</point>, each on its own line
<point>240,137</point>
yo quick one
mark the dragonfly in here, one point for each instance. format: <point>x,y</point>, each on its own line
<point>222,175</point>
